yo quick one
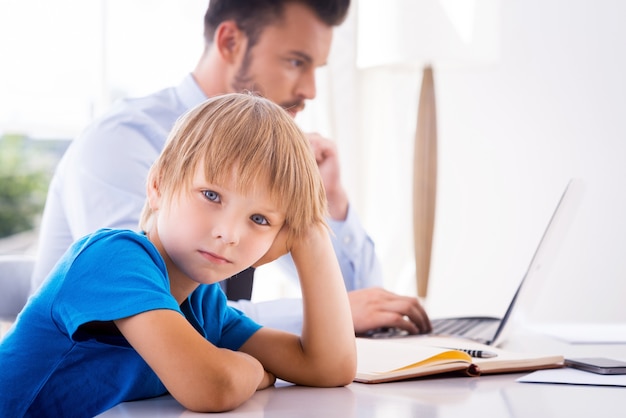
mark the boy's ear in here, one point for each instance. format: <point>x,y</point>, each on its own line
<point>153,194</point>
<point>230,41</point>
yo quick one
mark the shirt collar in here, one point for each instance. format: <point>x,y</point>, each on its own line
<point>189,92</point>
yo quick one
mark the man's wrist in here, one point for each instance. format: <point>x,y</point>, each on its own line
<point>338,205</point>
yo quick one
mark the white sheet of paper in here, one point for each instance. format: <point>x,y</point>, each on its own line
<point>571,376</point>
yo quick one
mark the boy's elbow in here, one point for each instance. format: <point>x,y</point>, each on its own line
<point>207,406</point>
<point>217,397</point>
<point>347,374</point>
<point>341,374</point>
<point>212,402</point>
<point>340,380</point>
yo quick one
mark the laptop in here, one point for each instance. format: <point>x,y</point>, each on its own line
<point>491,330</point>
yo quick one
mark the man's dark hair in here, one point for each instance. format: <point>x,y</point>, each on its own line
<point>252,16</point>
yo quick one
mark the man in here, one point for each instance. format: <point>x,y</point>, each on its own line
<point>270,47</point>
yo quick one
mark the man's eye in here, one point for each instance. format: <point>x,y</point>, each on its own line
<point>211,195</point>
<point>259,219</point>
<point>296,63</point>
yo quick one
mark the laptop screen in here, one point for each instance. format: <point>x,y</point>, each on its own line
<point>546,252</point>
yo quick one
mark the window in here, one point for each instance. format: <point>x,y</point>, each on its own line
<point>65,61</point>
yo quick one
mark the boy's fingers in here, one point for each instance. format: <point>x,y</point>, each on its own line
<point>278,248</point>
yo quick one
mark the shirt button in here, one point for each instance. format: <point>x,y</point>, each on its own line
<point>347,239</point>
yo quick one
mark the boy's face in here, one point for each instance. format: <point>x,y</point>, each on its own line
<point>281,66</point>
<point>212,232</point>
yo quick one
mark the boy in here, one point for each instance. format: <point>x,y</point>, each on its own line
<point>127,316</point>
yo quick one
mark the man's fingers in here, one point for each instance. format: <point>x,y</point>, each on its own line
<point>386,309</point>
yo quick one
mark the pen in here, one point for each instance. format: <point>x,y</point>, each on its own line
<point>477,353</point>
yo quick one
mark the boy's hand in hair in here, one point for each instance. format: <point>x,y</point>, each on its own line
<point>277,250</point>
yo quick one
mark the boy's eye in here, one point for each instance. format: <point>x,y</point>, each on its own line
<point>211,195</point>
<point>259,219</point>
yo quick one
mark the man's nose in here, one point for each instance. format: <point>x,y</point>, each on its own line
<point>306,85</point>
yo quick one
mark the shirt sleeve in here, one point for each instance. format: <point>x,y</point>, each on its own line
<point>356,253</point>
<point>219,323</point>
<point>104,187</point>
<point>115,274</point>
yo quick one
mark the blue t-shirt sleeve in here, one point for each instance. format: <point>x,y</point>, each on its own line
<point>112,275</point>
<point>221,324</point>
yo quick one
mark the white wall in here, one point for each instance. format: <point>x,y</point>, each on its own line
<point>510,136</point>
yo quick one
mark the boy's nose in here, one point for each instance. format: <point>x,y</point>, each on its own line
<point>227,232</point>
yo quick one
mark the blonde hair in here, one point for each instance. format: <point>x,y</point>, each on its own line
<point>252,138</point>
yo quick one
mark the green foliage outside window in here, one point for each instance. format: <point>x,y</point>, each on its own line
<point>25,170</point>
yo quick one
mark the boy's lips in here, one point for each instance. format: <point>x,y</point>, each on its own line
<point>215,258</point>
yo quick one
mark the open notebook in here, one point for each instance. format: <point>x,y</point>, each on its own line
<point>388,360</point>
<point>491,330</point>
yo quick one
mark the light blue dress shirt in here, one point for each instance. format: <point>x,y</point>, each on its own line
<point>100,182</point>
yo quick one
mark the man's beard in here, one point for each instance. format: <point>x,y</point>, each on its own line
<point>244,82</point>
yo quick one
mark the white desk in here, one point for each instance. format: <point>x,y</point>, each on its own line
<point>465,397</point>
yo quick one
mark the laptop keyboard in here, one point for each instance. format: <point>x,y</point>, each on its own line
<point>455,326</point>
<point>478,328</point>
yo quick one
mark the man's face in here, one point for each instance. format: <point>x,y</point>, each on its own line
<point>281,66</point>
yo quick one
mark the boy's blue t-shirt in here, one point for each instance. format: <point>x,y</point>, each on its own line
<point>49,365</point>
